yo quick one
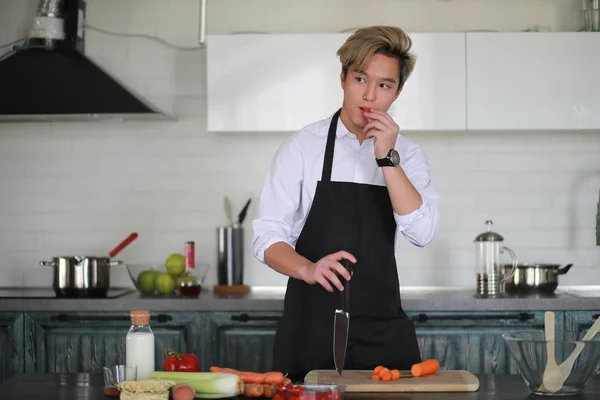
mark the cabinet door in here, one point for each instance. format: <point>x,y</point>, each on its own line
<point>85,342</point>
<point>11,344</point>
<point>283,82</point>
<point>241,340</point>
<point>472,341</point>
<point>581,321</point>
<point>533,81</point>
<point>434,96</point>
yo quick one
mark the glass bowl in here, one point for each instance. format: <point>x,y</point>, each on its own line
<point>153,280</point>
<point>528,348</point>
<point>115,374</point>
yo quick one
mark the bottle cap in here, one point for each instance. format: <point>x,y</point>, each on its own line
<point>140,317</point>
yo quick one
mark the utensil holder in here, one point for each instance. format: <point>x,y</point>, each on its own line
<point>230,255</point>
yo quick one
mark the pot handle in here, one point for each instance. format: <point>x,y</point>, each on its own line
<point>114,263</point>
<point>47,263</point>
<point>563,270</point>
<point>513,256</point>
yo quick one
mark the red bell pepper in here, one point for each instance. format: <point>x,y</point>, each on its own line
<point>176,362</point>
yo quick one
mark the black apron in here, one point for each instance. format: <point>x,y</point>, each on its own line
<point>357,218</point>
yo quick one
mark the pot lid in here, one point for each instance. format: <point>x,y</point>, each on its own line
<point>489,236</point>
<point>534,265</point>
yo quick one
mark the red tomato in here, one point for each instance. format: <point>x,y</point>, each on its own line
<point>176,362</point>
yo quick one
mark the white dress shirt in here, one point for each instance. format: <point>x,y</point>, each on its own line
<point>298,165</point>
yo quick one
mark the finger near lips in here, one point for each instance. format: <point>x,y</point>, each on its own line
<point>378,125</point>
<point>381,116</point>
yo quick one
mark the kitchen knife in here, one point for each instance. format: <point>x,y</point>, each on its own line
<point>341,324</point>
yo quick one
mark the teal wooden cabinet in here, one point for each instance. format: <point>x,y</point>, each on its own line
<point>240,340</point>
<point>472,341</point>
<point>580,320</point>
<point>85,342</point>
<point>459,340</point>
<point>11,344</point>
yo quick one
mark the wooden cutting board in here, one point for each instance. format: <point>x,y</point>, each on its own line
<point>360,381</point>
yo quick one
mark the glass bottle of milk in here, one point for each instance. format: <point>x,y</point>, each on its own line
<point>139,344</point>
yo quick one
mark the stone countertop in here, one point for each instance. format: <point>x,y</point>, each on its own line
<point>80,386</point>
<point>263,299</point>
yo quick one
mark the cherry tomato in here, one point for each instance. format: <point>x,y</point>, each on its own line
<point>295,390</point>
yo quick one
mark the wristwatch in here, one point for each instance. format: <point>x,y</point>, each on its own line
<point>391,160</point>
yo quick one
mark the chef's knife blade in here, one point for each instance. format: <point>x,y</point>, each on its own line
<point>341,324</point>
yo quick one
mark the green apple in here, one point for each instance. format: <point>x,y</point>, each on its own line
<point>164,283</point>
<point>175,264</point>
<point>145,281</point>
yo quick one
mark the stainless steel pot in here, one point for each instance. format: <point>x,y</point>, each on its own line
<point>530,278</point>
<point>79,276</point>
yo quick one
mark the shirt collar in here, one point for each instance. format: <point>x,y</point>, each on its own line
<point>341,129</point>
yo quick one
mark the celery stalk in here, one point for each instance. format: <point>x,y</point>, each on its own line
<point>208,385</point>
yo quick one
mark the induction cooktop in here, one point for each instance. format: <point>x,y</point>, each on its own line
<point>48,293</point>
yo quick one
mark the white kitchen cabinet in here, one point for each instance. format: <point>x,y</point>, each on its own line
<point>282,82</point>
<point>530,81</point>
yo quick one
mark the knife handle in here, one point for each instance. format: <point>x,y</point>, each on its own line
<point>346,292</point>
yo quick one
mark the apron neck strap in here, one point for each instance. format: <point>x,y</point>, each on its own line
<point>328,161</point>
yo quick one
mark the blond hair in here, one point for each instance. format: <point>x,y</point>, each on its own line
<point>387,40</point>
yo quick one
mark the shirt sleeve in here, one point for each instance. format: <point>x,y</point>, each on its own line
<point>279,200</point>
<point>420,226</point>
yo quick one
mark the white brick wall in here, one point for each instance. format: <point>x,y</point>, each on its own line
<point>79,188</point>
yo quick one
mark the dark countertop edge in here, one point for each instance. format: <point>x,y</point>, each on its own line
<point>89,385</point>
<point>216,304</point>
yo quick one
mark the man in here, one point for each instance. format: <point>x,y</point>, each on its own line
<point>341,188</point>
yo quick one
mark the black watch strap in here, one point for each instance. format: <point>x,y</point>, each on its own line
<point>391,160</point>
<point>385,162</point>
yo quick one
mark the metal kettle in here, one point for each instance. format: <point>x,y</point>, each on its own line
<point>490,274</point>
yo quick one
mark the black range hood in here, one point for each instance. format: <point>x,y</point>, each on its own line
<point>51,79</point>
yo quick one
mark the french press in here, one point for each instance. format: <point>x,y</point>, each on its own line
<point>488,247</point>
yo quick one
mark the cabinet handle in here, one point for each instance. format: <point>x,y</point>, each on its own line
<point>202,33</point>
<point>520,317</point>
<point>67,318</point>
<point>244,317</point>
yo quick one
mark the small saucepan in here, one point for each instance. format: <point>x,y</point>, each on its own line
<point>84,276</point>
<point>534,278</point>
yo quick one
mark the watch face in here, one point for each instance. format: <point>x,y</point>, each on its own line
<point>395,157</point>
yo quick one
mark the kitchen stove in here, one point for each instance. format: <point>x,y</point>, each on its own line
<point>48,293</point>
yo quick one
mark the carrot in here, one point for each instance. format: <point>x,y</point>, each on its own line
<point>269,390</point>
<point>253,390</point>
<point>214,368</point>
<point>247,377</point>
<point>425,368</point>
<point>395,374</point>
<point>286,381</point>
<point>273,377</point>
<point>386,376</point>
<point>375,377</point>
<point>377,369</point>
<point>253,377</point>
<point>383,371</point>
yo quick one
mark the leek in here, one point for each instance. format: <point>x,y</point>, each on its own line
<point>208,385</point>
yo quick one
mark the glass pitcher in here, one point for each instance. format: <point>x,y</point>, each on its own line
<point>488,247</point>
